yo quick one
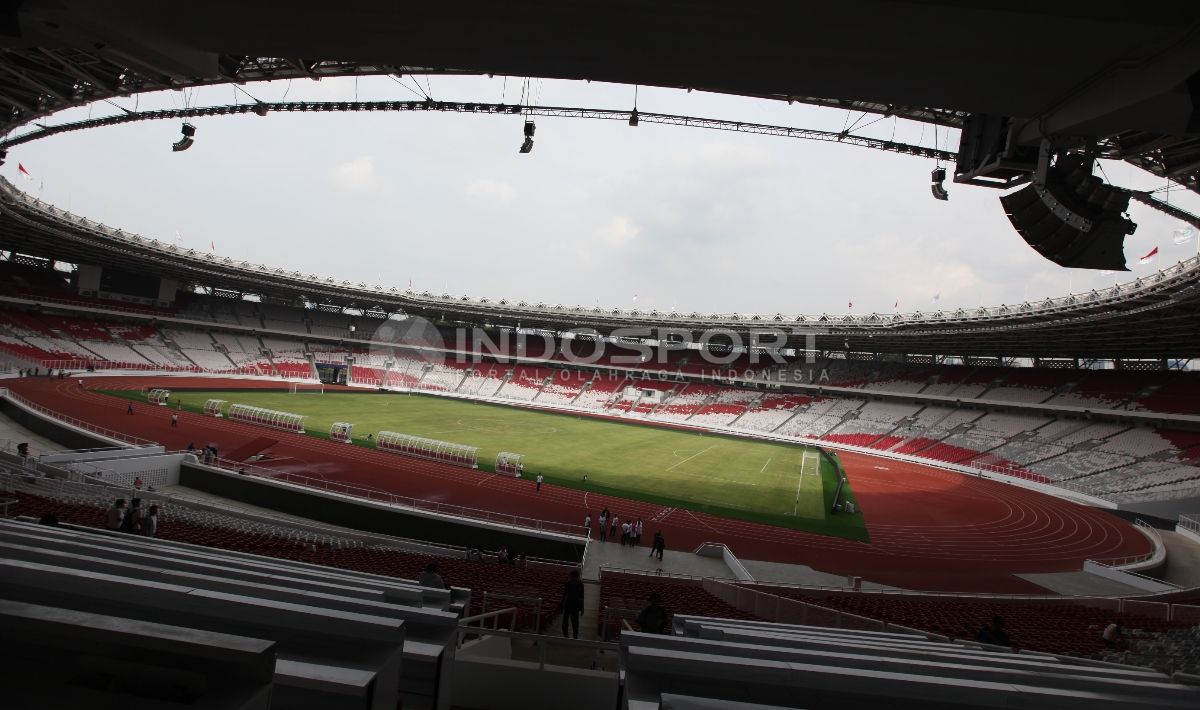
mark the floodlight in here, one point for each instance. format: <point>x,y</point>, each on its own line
<point>527,145</point>
<point>529,129</point>
<point>633,118</point>
<point>261,109</point>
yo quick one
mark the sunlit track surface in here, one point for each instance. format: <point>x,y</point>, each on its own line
<point>930,529</point>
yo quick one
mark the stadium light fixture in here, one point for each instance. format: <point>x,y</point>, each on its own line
<point>938,176</point>
<point>261,108</point>
<point>186,140</point>
<point>530,128</point>
<point>633,118</point>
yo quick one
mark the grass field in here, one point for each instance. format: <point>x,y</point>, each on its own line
<point>787,485</point>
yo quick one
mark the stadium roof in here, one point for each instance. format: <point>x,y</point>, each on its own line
<point>1121,79</point>
<point>1155,317</point>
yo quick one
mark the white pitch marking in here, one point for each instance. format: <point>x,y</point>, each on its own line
<point>764,468</point>
<point>689,458</point>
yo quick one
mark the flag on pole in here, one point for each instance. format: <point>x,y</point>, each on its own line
<point>410,283</point>
<point>1149,257</point>
<point>178,237</point>
<point>896,307</point>
<point>635,298</point>
<point>213,246</point>
<point>936,297</point>
<point>1183,235</point>
<point>851,305</point>
<point>24,173</point>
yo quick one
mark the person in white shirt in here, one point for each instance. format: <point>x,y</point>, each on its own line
<point>587,525</point>
<point>626,530</point>
<point>539,483</point>
<point>603,527</point>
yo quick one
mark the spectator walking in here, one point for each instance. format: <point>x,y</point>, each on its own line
<point>431,578</point>
<point>80,383</point>
<point>604,525</point>
<point>572,604</point>
<point>539,480</point>
<point>637,533</point>
<point>129,408</point>
<point>150,522</point>
<point>654,618</point>
<point>116,515</point>
<point>133,518</point>
<point>175,420</point>
<point>994,633</point>
<point>626,533</point>
<point>614,525</point>
<point>587,525</point>
<point>137,483</point>
<point>502,555</point>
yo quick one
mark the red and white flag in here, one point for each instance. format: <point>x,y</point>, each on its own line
<point>410,284</point>
<point>213,247</point>
<point>851,305</point>
<point>24,173</point>
<point>1149,257</point>
<point>896,307</point>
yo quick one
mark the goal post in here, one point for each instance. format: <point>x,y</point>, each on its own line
<point>510,463</point>
<point>213,407</point>
<point>306,388</point>
<point>341,431</point>
<point>158,396</point>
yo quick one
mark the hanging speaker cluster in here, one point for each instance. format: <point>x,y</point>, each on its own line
<point>1072,217</point>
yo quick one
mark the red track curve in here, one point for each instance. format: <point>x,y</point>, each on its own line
<point>930,529</point>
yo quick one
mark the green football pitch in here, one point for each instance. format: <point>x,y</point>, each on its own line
<point>786,485</point>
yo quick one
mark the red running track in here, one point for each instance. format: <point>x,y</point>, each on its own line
<point>930,529</point>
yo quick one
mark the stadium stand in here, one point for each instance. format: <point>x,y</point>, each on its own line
<point>738,665</point>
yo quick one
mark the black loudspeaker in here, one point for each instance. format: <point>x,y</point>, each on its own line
<point>1074,220</point>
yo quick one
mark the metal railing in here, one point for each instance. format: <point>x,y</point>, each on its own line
<point>78,423</point>
<point>1190,522</point>
<point>1131,560</point>
<point>477,621</point>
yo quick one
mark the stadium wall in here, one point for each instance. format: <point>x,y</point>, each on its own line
<point>367,516</point>
<point>59,432</point>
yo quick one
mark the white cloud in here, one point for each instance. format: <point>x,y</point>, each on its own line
<point>618,232</point>
<point>356,175</point>
<point>489,191</point>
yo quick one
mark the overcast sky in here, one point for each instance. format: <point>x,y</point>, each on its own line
<point>599,212</point>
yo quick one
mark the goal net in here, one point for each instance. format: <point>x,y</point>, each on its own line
<point>306,388</point>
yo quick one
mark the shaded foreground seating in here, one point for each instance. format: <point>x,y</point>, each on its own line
<point>57,657</point>
<point>719,662</point>
<point>362,640</point>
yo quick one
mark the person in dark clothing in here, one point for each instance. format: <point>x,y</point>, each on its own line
<point>654,618</point>
<point>660,544</point>
<point>129,408</point>
<point>994,633</point>
<point>572,604</point>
